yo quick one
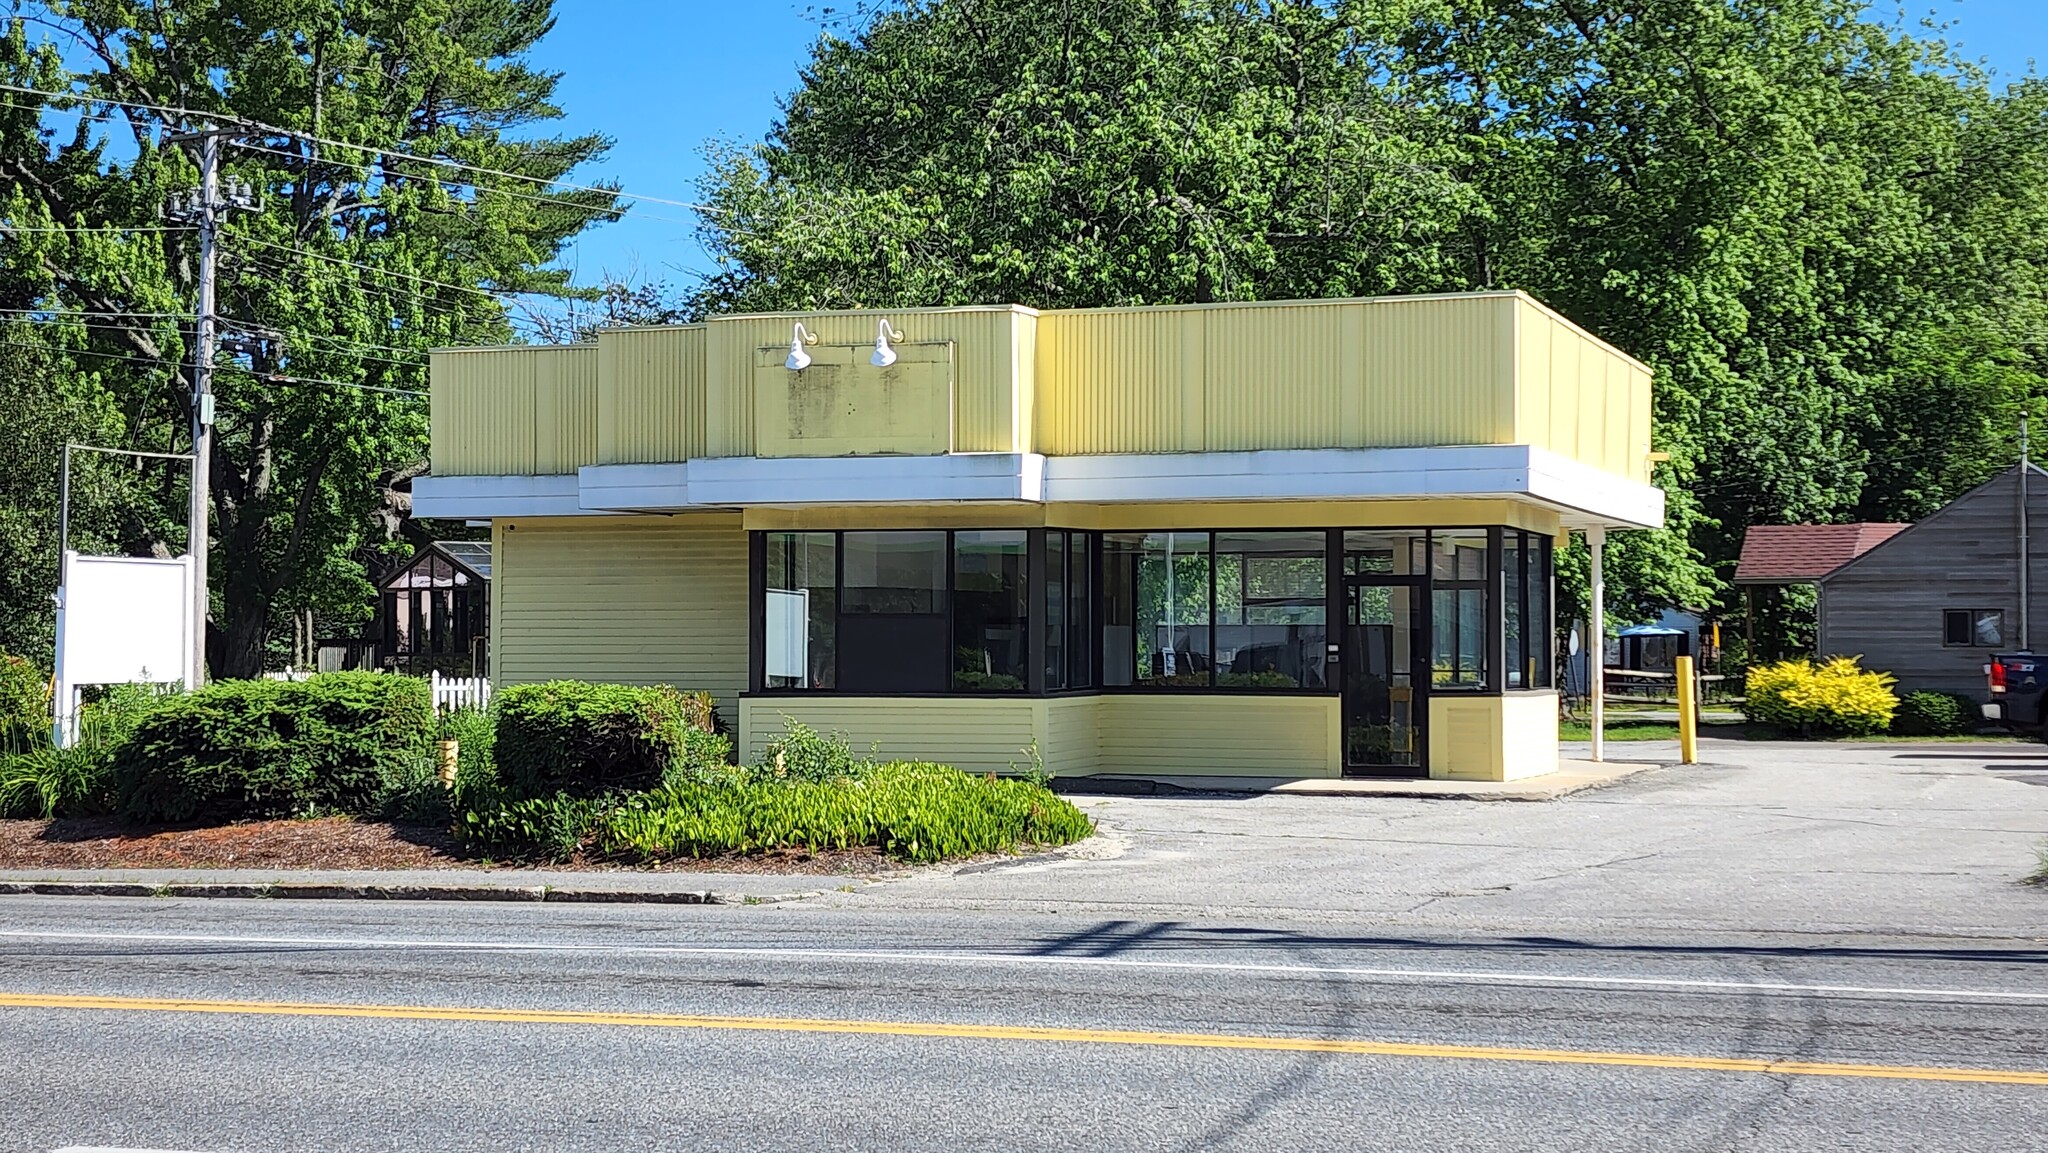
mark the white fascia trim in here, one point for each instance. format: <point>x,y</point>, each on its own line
<point>494,497</point>
<point>1510,470</point>
<point>729,482</point>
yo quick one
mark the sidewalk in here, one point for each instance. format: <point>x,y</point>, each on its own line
<point>432,885</point>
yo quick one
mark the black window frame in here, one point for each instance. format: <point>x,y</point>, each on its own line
<point>1085,553</point>
<point>1969,618</point>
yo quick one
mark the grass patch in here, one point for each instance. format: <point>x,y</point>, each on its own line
<point>1623,730</point>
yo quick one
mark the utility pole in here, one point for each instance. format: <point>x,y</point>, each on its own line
<point>206,209</point>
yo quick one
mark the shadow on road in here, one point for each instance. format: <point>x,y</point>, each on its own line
<point>1131,938</point>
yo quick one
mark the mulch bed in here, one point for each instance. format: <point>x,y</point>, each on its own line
<point>337,843</point>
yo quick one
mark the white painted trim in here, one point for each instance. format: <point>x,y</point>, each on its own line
<point>1586,497</point>
<point>1589,495</point>
<point>489,497</point>
<point>745,481</point>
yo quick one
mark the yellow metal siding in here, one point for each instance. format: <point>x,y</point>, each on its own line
<point>842,405</point>
<point>1578,397</point>
<point>1299,374</point>
<point>985,366</point>
<point>1216,735</point>
<point>651,395</point>
<point>635,600</point>
<point>514,411</point>
<point>979,734</point>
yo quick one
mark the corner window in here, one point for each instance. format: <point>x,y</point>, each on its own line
<point>1525,613</point>
<point>1973,628</point>
<point>1069,625</point>
<point>1458,580</point>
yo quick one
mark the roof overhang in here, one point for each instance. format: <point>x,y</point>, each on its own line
<point>1584,497</point>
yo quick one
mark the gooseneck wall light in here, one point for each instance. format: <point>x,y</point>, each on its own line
<point>884,355</point>
<point>798,358</point>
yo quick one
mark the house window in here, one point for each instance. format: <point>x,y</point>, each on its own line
<point>1973,628</point>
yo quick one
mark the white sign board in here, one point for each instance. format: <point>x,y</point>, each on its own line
<point>786,648</point>
<point>123,620</point>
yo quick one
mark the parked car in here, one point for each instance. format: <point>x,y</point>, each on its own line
<point>2019,687</point>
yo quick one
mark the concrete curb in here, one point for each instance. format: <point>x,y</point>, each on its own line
<point>317,891</point>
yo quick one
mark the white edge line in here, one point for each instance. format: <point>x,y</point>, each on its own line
<point>1477,976</point>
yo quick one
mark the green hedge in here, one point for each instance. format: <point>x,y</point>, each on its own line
<point>1934,714</point>
<point>24,705</point>
<point>237,750</point>
<point>586,739</point>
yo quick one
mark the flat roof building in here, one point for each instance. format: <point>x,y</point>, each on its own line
<point>1287,539</point>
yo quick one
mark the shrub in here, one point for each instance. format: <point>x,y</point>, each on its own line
<point>24,705</point>
<point>586,739</point>
<point>916,812</point>
<point>801,753</point>
<point>1932,714</point>
<point>245,749</point>
<point>1836,696</point>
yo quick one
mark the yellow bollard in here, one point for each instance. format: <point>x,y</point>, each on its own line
<point>1688,714</point>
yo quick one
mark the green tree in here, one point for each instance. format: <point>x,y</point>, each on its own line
<point>368,249</point>
<point>1825,237</point>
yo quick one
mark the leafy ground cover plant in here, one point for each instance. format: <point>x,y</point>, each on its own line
<point>41,781</point>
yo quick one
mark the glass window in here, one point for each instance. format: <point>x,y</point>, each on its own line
<point>1120,607</point>
<point>893,635</point>
<point>1080,602</point>
<point>802,606</point>
<point>1458,609</point>
<point>991,636</point>
<point>1173,597</point>
<point>1272,610</point>
<point>1378,552</point>
<point>1056,610</point>
<point>1541,642</point>
<point>1515,608</point>
<point>1975,628</point>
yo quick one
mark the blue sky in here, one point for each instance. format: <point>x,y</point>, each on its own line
<point>664,76</point>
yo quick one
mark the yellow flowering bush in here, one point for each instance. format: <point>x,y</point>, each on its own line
<point>1836,696</point>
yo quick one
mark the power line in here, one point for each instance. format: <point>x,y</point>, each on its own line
<point>68,312</point>
<point>100,230</point>
<point>485,188</point>
<point>369,149</point>
<point>278,377</point>
<point>426,280</point>
<point>341,342</point>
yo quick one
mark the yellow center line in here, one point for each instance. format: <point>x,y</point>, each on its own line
<point>1029,1033</point>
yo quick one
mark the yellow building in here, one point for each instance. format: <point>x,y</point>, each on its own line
<point>1241,541</point>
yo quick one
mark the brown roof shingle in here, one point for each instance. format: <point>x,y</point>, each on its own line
<point>1792,553</point>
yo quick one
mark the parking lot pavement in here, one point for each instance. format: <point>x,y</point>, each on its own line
<point>1912,839</point>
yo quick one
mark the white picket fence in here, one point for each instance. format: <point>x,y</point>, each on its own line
<point>452,693</point>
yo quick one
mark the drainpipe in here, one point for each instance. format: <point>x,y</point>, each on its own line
<point>1596,644</point>
<point>2026,637</point>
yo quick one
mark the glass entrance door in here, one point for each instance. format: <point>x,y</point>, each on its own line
<point>1386,675</point>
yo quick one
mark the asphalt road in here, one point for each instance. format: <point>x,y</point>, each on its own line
<point>271,1025</point>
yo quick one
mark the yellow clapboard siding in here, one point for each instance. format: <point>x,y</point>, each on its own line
<point>979,734</point>
<point>1070,736</point>
<point>1211,734</point>
<point>633,600</point>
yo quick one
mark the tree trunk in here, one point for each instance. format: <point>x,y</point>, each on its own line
<point>245,632</point>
